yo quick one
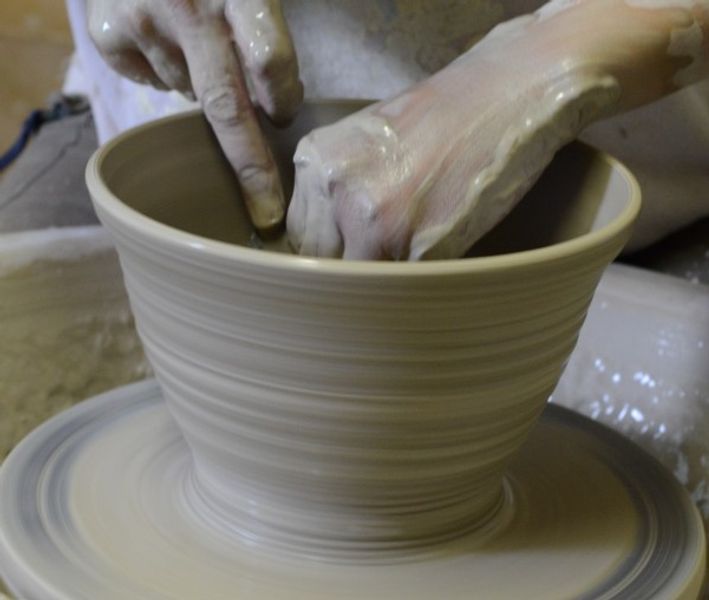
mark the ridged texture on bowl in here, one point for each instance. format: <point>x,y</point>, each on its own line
<point>348,409</point>
<point>337,413</point>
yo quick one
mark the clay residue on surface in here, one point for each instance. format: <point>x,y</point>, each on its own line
<point>71,244</point>
<point>67,329</point>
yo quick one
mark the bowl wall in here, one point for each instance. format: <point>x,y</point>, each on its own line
<point>349,408</point>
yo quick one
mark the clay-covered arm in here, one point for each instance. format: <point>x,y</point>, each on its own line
<point>650,47</point>
<point>426,174</point>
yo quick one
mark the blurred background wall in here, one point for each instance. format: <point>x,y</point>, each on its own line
<point>35,45</point>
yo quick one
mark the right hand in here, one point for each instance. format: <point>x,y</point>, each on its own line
<point>191,46</point>
<point>426,174</point>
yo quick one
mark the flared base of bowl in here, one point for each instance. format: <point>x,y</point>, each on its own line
<point>346,543</point>
<point>96,503</point>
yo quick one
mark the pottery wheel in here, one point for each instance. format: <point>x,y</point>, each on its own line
<point>96,503</point>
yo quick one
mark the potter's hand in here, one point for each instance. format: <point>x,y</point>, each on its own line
<point>191,46</point>
<point>426,174</point>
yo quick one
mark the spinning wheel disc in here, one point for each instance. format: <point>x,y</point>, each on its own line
<point>96,503</point>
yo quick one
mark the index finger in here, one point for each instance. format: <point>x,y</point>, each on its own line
<point>219,84</point>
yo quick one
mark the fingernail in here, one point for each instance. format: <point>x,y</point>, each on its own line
<point>282,105</point>
<point>267,212</point>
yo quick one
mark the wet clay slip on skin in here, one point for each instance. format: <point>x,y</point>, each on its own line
<point>344,415</point>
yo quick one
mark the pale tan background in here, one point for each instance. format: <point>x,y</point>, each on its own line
<point>35,45</point>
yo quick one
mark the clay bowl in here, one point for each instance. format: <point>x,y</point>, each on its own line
<point>349,409</point>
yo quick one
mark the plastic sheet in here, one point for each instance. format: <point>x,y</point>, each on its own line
<point>641,366</point>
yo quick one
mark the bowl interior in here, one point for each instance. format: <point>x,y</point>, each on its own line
<point>173,172</point>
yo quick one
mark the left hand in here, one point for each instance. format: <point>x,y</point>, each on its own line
<point>206,48</point>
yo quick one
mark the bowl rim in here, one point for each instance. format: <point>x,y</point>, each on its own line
<point>105,200</point>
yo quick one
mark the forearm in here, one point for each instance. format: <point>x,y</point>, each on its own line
<point>650,47</point>
<point>647,48</point>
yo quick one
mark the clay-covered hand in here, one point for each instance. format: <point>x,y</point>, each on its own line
<point>203,48</point>
<point>426,174</point>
